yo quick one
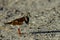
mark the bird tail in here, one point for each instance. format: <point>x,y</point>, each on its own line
<point>8,23</point>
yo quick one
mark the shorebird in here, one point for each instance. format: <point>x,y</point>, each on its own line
<point>19,21</point>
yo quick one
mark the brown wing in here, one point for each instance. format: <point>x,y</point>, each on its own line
<point>18,21</point>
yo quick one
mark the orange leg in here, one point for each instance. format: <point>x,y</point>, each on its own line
<point>19,32</point>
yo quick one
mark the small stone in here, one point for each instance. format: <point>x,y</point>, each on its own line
<point>0,39</point>
<point>17,11</point>
<point>49,0</point>
<point>8,39</point>
<point>1,36</point>
<point>30,28</point>
<point>39,28</point>
<point>36,39</point>
<point>24,36</point>
<point>1,8</point>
